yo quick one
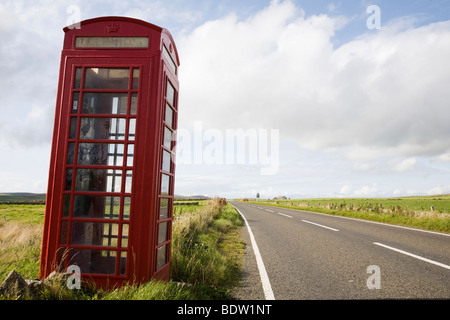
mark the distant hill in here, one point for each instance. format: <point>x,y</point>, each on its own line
<point>26,197</point>
<point>22,197</point>
<point>196,197</point>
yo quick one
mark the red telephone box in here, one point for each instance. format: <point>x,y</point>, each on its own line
<point>111,179</point>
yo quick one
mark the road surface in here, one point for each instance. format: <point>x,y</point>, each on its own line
<point>300,255</point>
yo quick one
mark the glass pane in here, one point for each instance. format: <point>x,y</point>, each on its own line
<point>100,154</point>
<point>102,129</point>
<point>115,154</point>
<point>96,207</point>
<point>95,234</point>
<point>112,207</point>
<point>66,208</point>
<point>163,208</point>
<point>63,234</point>
<point>73,128</point>
<point>69,173</point>
<point>105,103</point>
<point>126,208</point>
<point>170,96</point>
<point>117,129</point>
<point>161,256</point>
<point>132,129</point>
<point>114,181</point>
<point>135,84</point>
<point>75,102</point>
<point>128,181</point>
<point>130,155</point>
<point>70,152</point>
<point>94,261</point>
<point>77,83</point>
<point>167,138</point>
<point>98,180</point>
<point>107,78</point>
<point>165,184</point>
<point>134,102</point>
<point>169,116</point>
<point>166,161</point>
<point>123,263</point>
<point>162,232</point>
<point>125,230</point>
<point>169,60</point>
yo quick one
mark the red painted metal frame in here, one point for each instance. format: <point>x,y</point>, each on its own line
<point>155,71</point>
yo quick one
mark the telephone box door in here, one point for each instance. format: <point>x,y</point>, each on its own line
<point>104,105</point>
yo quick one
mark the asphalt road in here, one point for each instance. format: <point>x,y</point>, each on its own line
<point>303,255</point>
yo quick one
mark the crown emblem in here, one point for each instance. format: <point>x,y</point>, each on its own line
<point>112,28</point>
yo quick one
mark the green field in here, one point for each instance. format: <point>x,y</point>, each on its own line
<point>22,197</point>
<point>441,203</point>
<point>426,212</point>
<point>24,213</point>
<point>206,254</point>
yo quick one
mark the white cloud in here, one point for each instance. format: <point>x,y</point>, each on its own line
<point>366,191</point>
<point>29,59</point>
<point>331,7</point>
<point>442,158</point>
<point>442,189</point>
<point>401,192</point>
<point>385,92</point>
<point>406,165</point>
<point>362,167</point>
<point>346,190</point>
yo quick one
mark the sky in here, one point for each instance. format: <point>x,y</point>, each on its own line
<point>287,98</point>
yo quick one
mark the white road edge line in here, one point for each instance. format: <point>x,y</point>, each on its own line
<point>268,293</point>
<point>320,225</point>
<point>413,255</point>
<point>286,215</point>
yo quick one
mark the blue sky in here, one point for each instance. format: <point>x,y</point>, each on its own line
<point>340,109</point>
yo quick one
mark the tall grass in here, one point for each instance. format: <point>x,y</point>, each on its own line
<point>201,246</point>
<point>206,256</point>
<point>20,246</point>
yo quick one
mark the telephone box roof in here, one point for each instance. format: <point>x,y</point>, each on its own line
<point>128,20</point>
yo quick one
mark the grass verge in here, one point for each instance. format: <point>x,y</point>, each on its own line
<point>412,211</point>
<point>20,239</point>
<point>207,254</point>
<point>206,246</point>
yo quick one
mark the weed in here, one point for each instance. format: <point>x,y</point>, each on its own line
<point>20,246</point>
